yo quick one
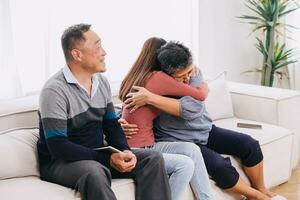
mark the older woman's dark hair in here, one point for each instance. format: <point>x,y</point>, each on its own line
<point>174,56</point>
<point>71,37</point>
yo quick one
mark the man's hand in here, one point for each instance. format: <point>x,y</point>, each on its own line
<point>137,99</point>
<point>129,129</point>
<point>123,162</point>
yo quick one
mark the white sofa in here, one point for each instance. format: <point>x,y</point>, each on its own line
<point>275,109</point>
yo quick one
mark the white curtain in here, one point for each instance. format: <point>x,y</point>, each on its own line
<point>29,27</point>
<point>31,50</point>
<point>9,77</point>
<point>23,38</point>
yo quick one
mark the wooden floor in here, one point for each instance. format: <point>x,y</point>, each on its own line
<point>291,189</point>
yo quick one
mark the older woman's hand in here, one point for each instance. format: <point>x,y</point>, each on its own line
<point>137,99</point>
<point>196,71</point>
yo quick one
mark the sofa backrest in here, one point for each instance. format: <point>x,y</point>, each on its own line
<point>18,136</point>
<point>19,123</point>
<point>22,112</point>
<point>19,113</point>
<point>18,153</point>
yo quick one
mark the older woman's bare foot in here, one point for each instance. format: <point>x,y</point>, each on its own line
<point>268,192</point>
<point>268,196</point>
<point>261,196</point>
<point>272,195</point>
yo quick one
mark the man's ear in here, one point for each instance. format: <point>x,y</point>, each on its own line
<point>76,54</point>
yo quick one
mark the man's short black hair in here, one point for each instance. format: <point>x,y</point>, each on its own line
<point>173,56</point>
<point>71,37</point>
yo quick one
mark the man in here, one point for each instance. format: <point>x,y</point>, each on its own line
<point>75,111</point>
<point>191,123</point>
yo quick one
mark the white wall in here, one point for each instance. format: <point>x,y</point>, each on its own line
<point>293,19</point>
<point>225,43</point>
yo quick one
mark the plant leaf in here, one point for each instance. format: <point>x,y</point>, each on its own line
<point>254,70</point>
<point>284,64</point>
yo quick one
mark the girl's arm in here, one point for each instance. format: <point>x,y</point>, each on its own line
<point>162,84</point>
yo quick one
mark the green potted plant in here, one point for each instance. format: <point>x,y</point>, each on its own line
<point>268,18</point>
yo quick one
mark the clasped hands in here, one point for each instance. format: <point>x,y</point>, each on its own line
<point>124,161</point>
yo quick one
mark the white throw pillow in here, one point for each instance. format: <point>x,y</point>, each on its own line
<point>218,102</point>
<point>18,153</point>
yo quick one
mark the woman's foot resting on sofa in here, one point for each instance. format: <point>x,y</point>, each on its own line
<point>255,174</point>
<point>268,192</point>
<point>277,197</point>
<point>272,195</point>
<point>250,193</point>
<point>259,196</point>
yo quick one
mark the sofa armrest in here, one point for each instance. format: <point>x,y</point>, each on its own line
<point>271,105</point>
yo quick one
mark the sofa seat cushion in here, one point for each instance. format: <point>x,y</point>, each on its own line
<point>276,144</point>
<point>35,189</point>
<point>124,189</point>
<point>267,134</point>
